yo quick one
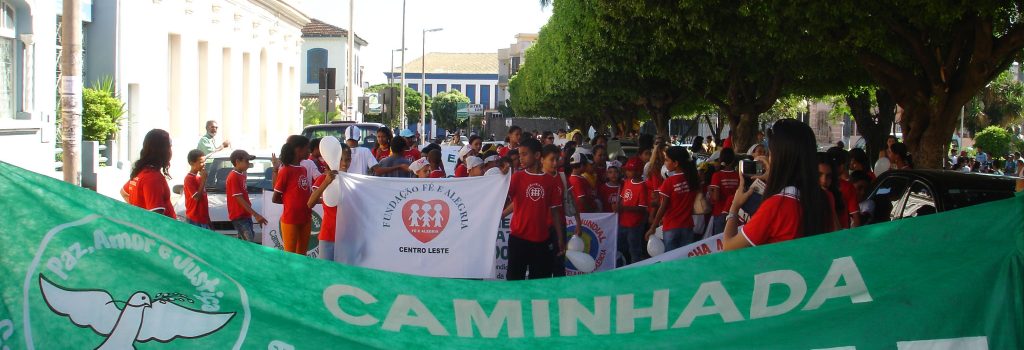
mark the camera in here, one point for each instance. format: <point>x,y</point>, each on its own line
<point>750,167</point>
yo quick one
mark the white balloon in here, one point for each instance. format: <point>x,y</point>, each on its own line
<point>330,148</point>
<point>332,195</point>
<point>655,246</point>
<point>575,244</point>
<point>583,262</point>
<point>660,233</point>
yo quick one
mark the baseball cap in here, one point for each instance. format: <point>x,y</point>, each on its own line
<point>492,158</point>
<point>473,162</point>
<point>352,133</point>
<point>464,151</point>
<point>406,133</point>
<point>241,155</point>
<point>614,164</point>
<point>579,157</point>
<point>419,164</point>
<point>632,164</point>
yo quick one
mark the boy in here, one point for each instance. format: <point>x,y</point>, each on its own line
<point>723,187</point>
<point>632,209</point>
<point>197,207</point>
<point>535,204</point>
<point>608,192</point>
<point>239,208</point>
<point>579,185</point>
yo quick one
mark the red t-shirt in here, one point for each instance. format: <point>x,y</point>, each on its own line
<point>727,143</point>
<point>235,186</point>
<point>678,197</point>
<point>412,154</point>
<point>726,181</point>
<point>330,222</point>
<point>779,218</point>
<point>293,183</point>
<point>381,153</point>
<point>849,194</point>
<point>560,192</point>
<point>505,149</point>
<point>580,188</point>
<point>533,196</point>
<point>438,174</point>
<point>148,190</point>
<point>609,195</point>
<point>461,171</point>
<point>634,194</point>
<point>197,205</point>
<point>653,185</point>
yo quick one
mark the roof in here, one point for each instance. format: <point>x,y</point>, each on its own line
<point>456,63</point>
<point>320,29</point>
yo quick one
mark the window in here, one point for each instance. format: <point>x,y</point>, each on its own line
<point>919,201</point>
<point>485,96</point>
<point>442,88</point>
<point>887,197</point>
<point>429,90</point>
<point>457,87</point>
<point>414,87</point>
<point>471,93</point>
<point>8,94</point>
<point>515,65</point>
<point>316,59</point>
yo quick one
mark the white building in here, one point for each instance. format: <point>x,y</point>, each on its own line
<point>28,57</point>
<point>326,46</point>
<point>509,61</point>
<point>179,63</point>
<point>474,74</point>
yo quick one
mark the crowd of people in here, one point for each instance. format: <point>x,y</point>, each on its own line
<point>780,188</point>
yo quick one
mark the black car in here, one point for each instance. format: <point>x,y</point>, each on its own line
<point>900,194</point>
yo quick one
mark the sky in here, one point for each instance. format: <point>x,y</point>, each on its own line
<point>469,26</point>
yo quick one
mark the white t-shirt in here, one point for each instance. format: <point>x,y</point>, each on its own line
<point>362,161</point>
<point>311,170</point>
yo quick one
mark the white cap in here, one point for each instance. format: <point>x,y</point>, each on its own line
<point>493,158</point>
<point>419,164</point>
<point>352,133</point>
<point>614,164</point>
<point>494,171</point>
<point>464,151</point>
<point>578,157</point>
<point>473,162</point>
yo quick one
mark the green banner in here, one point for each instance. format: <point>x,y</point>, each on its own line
<point>85,271</point>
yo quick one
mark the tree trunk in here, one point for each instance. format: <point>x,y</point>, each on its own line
<point>744,132</point>
<point>874,128</point>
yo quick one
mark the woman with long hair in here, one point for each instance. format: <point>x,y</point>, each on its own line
<point>675,214</point>
<point>147,188</point>
<point>383,149</point>
<point>794,205</point>
<point>900,157</point>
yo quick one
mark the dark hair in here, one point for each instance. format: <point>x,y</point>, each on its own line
<point>645,142</point>
<point>860,175</point>
<point>398,145</point>
<point>474,138</point>
<point>550,149</point>
<point>900,149</point>
<point>434,156</point>
<point>431,147</point>
<point>860,156</point>
<point>532,144</point>
<point>838,157</point>
<point>314,144</point>
<point>194,155</point>
<point>512,152</point>
<point>525,135</point>
<point>156,152</point>
<point>598,137</point>
<point>547,134</point>
<point>387,134</point>
<point>833,186</point>
<point>514,128</point>
<point>697,146</point>
<point>794,163</point>
<point>727,157</point>
<point>597,147</point>
<point>679,155</point>
<point>288,149</point>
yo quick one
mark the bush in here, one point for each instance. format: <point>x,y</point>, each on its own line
<point>101,112</point>
<point>994,140</point>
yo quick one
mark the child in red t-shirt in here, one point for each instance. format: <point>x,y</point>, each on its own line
<point>292,189</point>
<point>535,204</point>
<point>240,210</point>
<point>723,187</point>
<point>632,209</point>
<point>583,194</point>
<point>328,228</point>
<point>608,192</point>
<point>675,214</point>
<point>197,207</point>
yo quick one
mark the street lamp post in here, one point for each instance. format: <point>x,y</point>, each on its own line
<point>391,70</point>
<point>423,91</point>
<point>401,107</point>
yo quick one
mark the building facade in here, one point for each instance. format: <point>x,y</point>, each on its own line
<point>179,63</point>
<point>326,46</point>
<point>509,61</point>
<point>474,74</point>
<point>28,59</point>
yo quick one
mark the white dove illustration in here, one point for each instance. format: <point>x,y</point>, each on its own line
<point>142,318</point>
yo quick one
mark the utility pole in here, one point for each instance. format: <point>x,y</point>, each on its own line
<point>401,106</point>
<point>71,90</point>
<point>423,90</point>
<point>349,75</point>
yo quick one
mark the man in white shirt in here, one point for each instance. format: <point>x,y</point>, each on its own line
<point>362,157</point>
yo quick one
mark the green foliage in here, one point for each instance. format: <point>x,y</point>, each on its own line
<point>412,103</point>
<point>994,140</point>
<point>445,109</point>
<point>312,115</point>
<point>1000,103</point>
<point>102,111</point>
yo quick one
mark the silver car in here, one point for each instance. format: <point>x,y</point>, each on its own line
<point>259,178</point>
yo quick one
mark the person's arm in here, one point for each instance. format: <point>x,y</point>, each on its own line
<point>279,182</point>
<point>559,230</point>
<point>248,208</point>
<point>656,221</point>
<point>716,195</point>
<point>125,195</point>
<point>731,239</point>
<point>315,197</point>
<point>508,210</point>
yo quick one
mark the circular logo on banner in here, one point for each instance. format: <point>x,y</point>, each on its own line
<point>425,220</point>
<point>592,235</point>
<point>102,283</point>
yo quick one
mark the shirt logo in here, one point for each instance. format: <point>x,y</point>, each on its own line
<point>304,182</point>
<point>535,192</point>
<point>628,195</point>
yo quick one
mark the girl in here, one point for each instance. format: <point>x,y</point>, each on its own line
<point>723,187</point>
<point>147,188</point>
<point>328,228</point>
<point>472,149</point>
<point>652,174</point>
<point>675,214</point>
<point>829,183</point>
<point>292,189</point>
<point>383,149</point>
<point>437,168</point>
<point>794,205</point>
<point>859,162</point>
<point>420,168</point>
<point>899,156</point>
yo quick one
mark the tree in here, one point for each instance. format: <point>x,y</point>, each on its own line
<point>412,104</point>
<point>874,111</point>
<point>932,57</point>
<point>313,115</point>
<point>999,103</point>
<point>994,140</point>
<point>445,109</point>
<point>101,111</point>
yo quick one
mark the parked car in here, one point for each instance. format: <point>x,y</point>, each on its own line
<point>367,132</point>
<point>901,194</point>
<point>259,177</point>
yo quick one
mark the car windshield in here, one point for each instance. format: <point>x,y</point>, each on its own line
<point>963,197</point>
<point>367,134</point>
<point>258,177</point>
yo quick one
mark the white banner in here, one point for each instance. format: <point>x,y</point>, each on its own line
<point>706,246</point>
<point>450,158</point>
<point>272,230</point>
<point>599,237</point>
<point>427,227</point>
